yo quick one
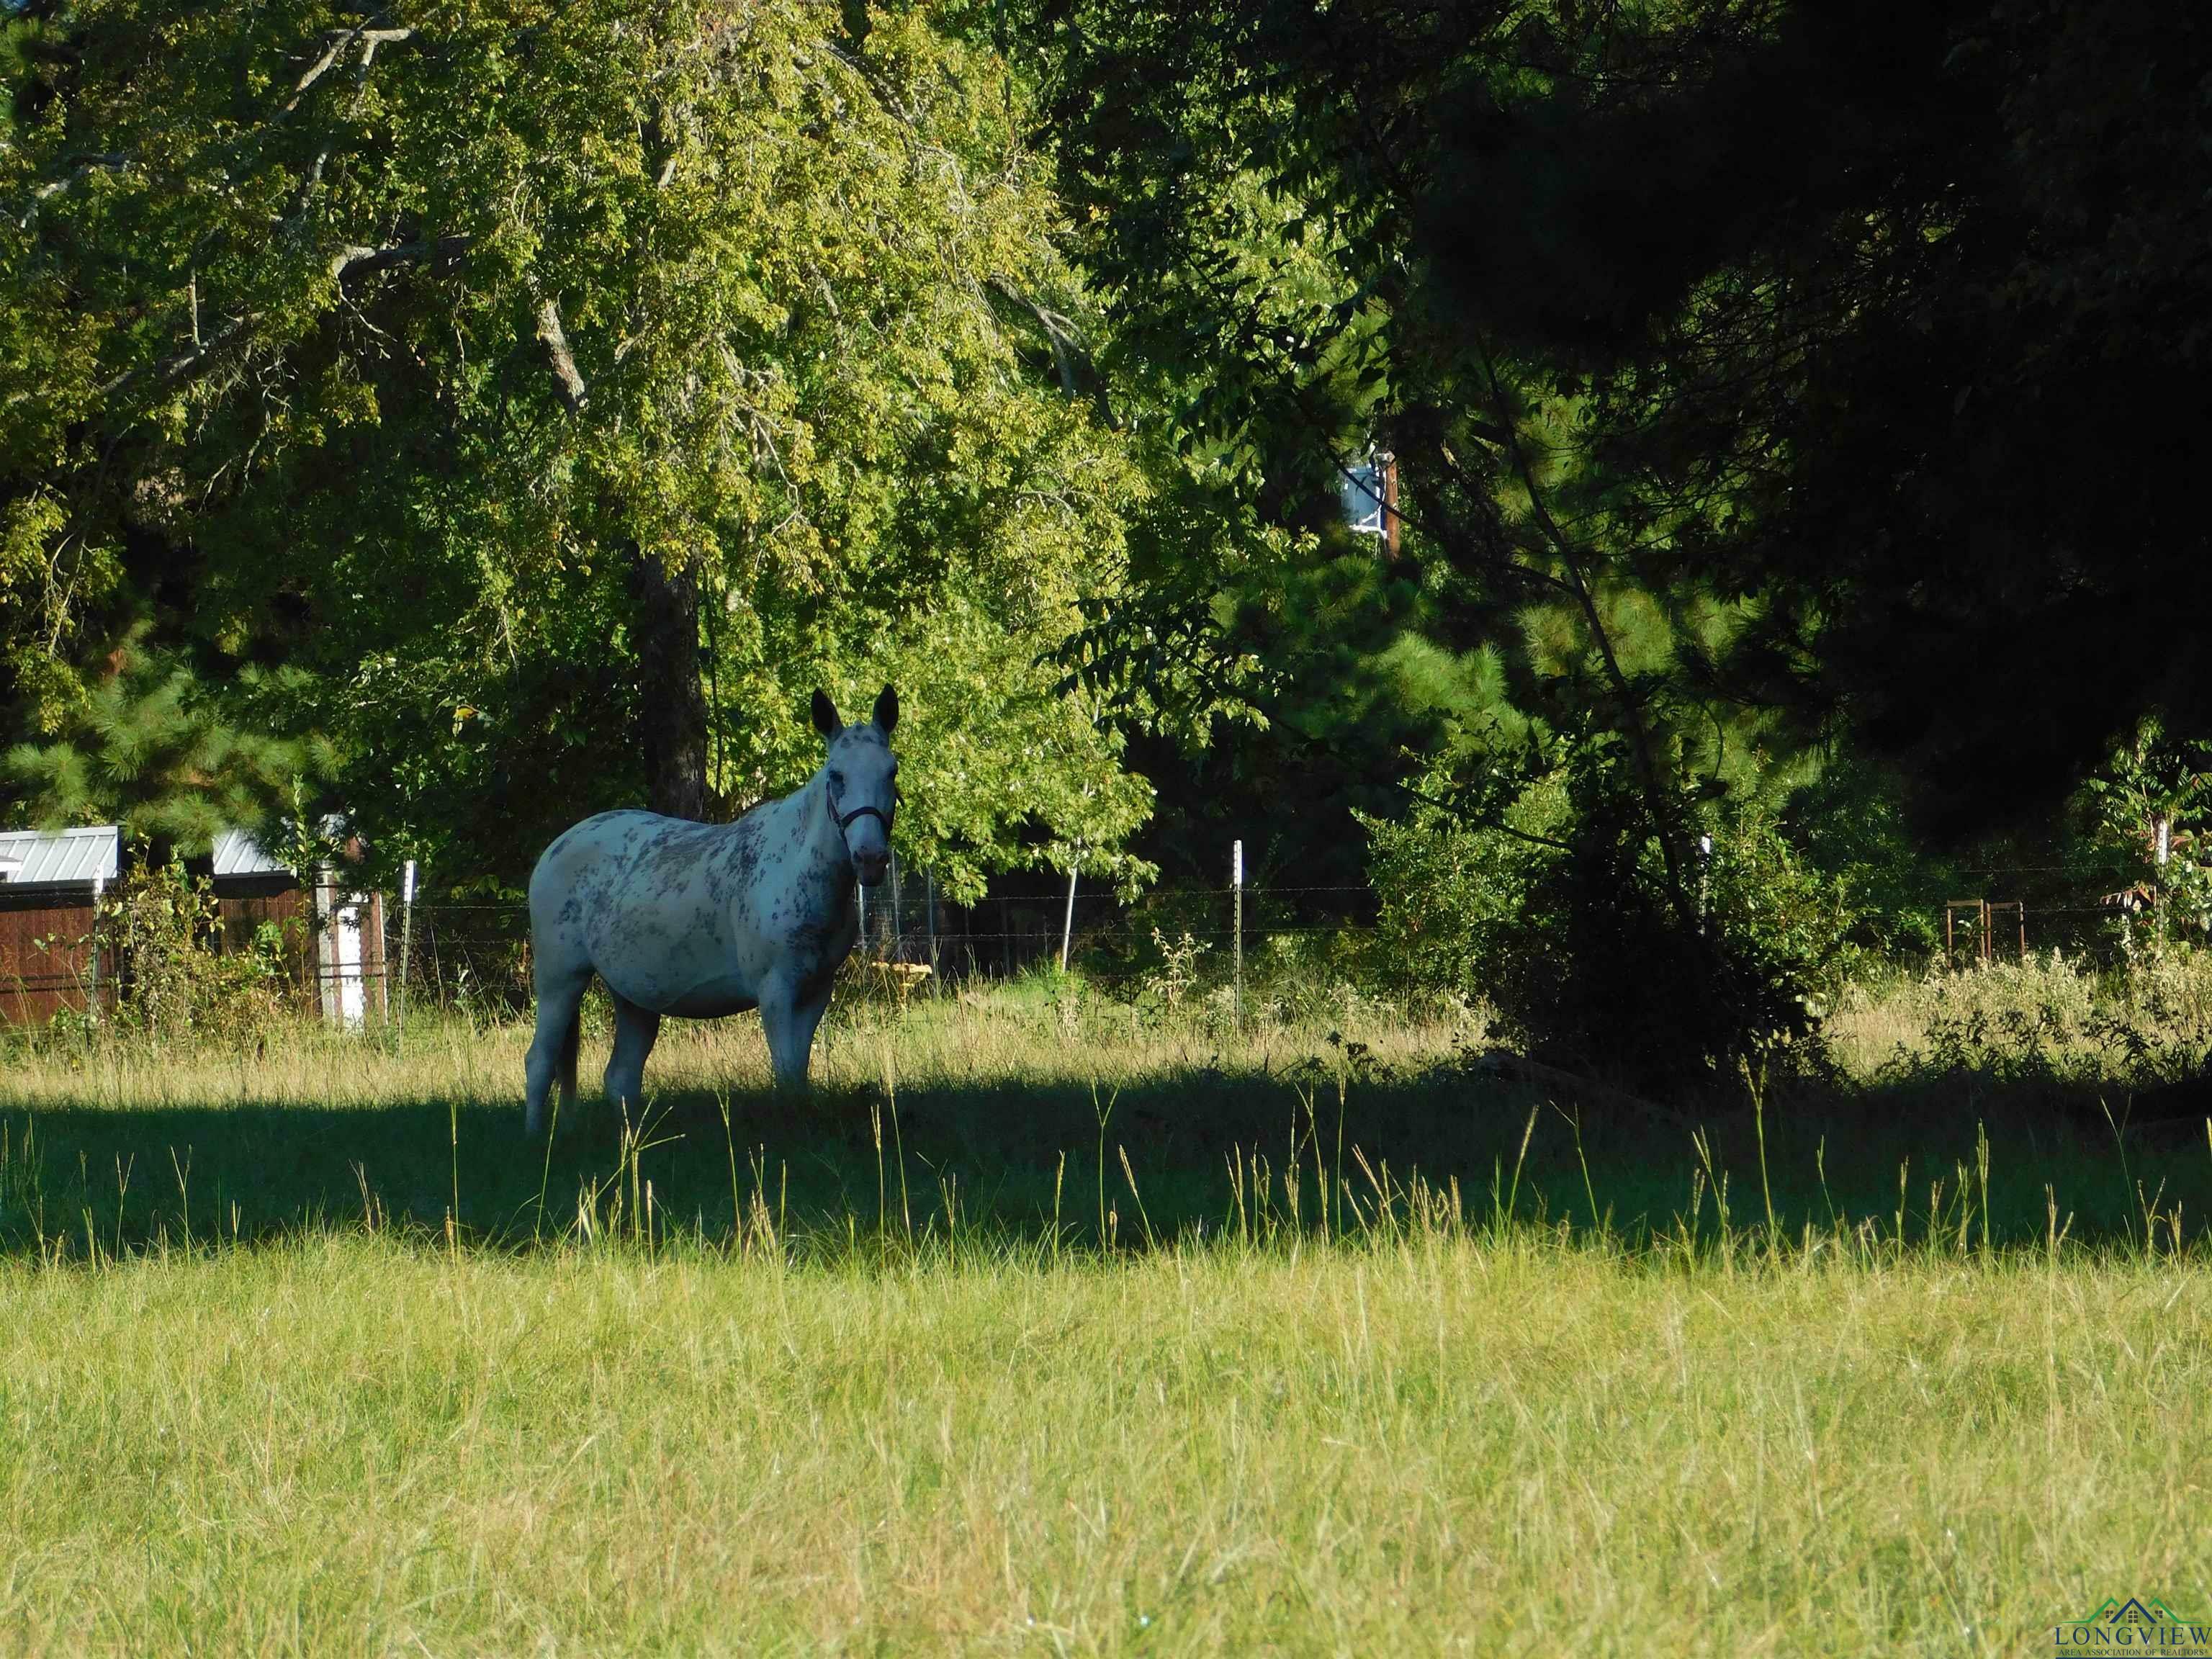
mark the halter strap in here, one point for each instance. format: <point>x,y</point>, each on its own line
<point>845,821</point>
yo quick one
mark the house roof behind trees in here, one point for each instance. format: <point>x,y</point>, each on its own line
<point>65,857</point>
<point>42,858</point>
<point>237,853</point>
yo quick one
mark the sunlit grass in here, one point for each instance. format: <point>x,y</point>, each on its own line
<point>1028,1035</point>
<point>1424,1440</point>
<point>1045,1329</point>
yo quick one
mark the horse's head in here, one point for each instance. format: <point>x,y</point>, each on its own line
<point>863,779</point>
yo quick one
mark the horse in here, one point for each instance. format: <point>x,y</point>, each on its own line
<point>705,920</point>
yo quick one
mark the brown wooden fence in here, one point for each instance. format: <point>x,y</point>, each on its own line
<point>46,957</point>
<point>47,951</point>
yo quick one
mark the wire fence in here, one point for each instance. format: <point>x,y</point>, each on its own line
<point>461,952</point>
<point>355,957</point>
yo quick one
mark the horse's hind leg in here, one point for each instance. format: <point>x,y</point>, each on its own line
<point>635,1029</point>
<point>553,1047</point>
<point>565,1072</point>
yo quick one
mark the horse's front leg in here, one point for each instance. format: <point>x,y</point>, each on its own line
<point>788,1016</point>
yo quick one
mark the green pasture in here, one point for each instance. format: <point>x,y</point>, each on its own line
<point>1035,1332</point>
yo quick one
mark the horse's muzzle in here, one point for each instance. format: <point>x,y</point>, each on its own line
<point>872,867</point>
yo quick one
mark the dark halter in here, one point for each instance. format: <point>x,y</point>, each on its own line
<point>845,821</point>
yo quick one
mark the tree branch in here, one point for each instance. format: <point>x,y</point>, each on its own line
<point>183,362</point>
<point>371,39</point>
<point>336,45</point>
<point>1057,330</point>
<point>568,383</point>
<point>86,165</point>
<point>1480,820</point>
<point>348,265</point>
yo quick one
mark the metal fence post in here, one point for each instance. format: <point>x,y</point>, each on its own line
<point>1237,885</point>
<point>1067,921</point>
<point>929,903</point>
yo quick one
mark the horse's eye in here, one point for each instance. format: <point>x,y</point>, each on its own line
<point>836,779</point>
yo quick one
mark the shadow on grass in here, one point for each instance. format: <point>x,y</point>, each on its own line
<point>1153,1159</point>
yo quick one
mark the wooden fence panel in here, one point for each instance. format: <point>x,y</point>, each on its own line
<point>46,957</point>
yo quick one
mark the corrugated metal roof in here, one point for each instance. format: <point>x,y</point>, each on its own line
<point>36,857</point>
<point>237,853</point>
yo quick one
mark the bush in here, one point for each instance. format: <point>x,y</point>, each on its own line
<point>1558,913</point>
<point>2053,1019</point>
<point>160,927</point>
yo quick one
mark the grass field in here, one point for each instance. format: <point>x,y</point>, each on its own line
<point>1037,1331</point>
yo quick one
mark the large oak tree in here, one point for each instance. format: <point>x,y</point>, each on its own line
<point>534,400</point>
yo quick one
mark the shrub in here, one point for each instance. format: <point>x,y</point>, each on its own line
<point>160,927</point>
<point>1556,910</point>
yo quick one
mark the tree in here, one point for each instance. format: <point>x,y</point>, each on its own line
<point>557,392</point>
<point>1262,190</point>
<point>2147,812</point>
<point>1745,363</point>
<point>1884,314</point>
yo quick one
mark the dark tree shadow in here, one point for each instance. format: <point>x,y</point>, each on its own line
<point>1152,1158</point>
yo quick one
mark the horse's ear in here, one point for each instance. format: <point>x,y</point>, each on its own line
<point>887,710</point>
<point>826,713</point>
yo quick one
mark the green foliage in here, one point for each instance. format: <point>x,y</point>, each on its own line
<point>1452,894</point>
<point>2150,810</point>
<point>150,747</point>
<point>1765,381</point>
<point>390,353</point>
<point>1849,822</point>
<point>160,927</point>
<point>1540,894</point>
<point>1268,211</point>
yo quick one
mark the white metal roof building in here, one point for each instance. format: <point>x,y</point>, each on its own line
<point>65,857</point>
<point>69,858</point>
<point>237,853</point>
<point>48,881</point>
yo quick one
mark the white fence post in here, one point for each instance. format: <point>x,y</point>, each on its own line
<point>1704,876</point>
<point>92,1002</point>
<point>1236,884</point>
<point>406,934</point>
<point>1067,921</point>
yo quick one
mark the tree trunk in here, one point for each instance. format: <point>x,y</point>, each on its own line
<point>672,717</point>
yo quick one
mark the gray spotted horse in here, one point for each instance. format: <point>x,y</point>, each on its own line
<point>704,919</point>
